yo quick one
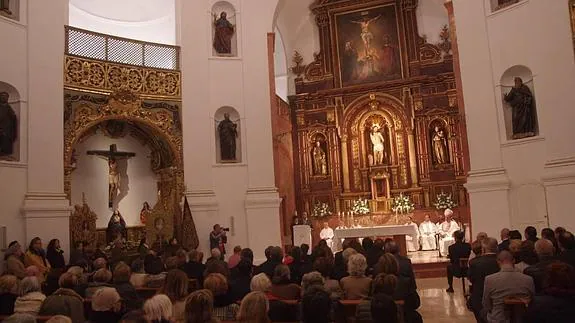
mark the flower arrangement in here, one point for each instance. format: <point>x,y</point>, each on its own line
<point>402,204</point>
<point>444,201</point>
<point>360,206</point>
<point>320,210</point>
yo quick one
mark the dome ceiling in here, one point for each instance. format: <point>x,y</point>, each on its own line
<point>127,10</point>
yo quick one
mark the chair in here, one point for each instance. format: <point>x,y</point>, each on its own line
<point>516,307</point>
<point>463,266</point>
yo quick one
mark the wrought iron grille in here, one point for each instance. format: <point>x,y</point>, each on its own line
<point>89,44</point>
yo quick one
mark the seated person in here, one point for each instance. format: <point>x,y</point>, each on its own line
<point>446,230</point>
<point>427,231</point>
<point>412,241</point>
<point>460,249</point>
<point>356,285</point>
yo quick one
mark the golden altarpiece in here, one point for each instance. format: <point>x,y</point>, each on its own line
<point>380,103</point>
<point>117,99</point>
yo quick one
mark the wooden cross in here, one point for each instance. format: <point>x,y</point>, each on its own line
<point>112,156</point>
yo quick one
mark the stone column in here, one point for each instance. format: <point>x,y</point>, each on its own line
<point>488,183</point>
<point>46,209</point>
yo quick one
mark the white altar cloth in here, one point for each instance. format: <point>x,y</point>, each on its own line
<point>379,231</point>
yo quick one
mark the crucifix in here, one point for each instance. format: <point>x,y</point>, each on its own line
<point>112,156</point>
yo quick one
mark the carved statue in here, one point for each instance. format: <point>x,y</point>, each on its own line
<point>145,212</point>
<point>116,228</point>
<point>522,104</point>
<point>377,141</point>
<point>8,126</point>
<point>224,31</point>
<point>440,147</point>
<point>228,132</point>
<point>112,156</point>
<point>319,160</point>
<point>5,7</point>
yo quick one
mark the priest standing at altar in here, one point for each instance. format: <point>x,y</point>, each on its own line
<point>412,240</point>
<point>327,234</point>
<point>427,231</point>
<point>446,230</point>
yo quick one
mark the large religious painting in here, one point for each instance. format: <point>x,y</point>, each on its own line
<point>368,45</point>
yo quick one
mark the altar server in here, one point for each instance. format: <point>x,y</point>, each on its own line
<point>446,230</point>
<point>427,231</point>
<point>327,234</point>
<point>338,242</point>
<point>412,240</point>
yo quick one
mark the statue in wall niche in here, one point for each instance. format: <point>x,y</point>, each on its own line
<point>5,7</point>
<point>224,31</point>
<point>439,141</point>
<point>8,126</point>
<point>228,132</point>
<point>145,213</point>
<point>319,160</point>
<point>522,104</point>
<point>377,141</point>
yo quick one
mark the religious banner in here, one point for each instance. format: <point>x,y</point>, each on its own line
<point>189,234</point>
<point>368,45</point>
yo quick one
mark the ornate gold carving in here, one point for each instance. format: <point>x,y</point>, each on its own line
<point>429,53</point>
<point>314,71</point>
<point>301,120</point>
<point>83,224</point>
<point>84,73</point>
<point>445,36</point>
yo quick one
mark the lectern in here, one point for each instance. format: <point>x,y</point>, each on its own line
<point>301,235</point>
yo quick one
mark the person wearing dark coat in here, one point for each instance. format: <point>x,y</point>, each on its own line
<point>479,268</point>
<point>8,294</point>
<point>65,301</point>
<point>567,244</point>
<point>275,258</point>
<point>55,255</point>
<point>240,282</point>
<point>121,281</point>
<point>405,266</point>
<point>457,251</point>
<point>555,304</point>
<point>545,250</point>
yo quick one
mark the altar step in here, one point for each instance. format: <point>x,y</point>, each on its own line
<point>430,270</point>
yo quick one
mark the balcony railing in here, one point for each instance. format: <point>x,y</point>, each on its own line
<point>89,44</point>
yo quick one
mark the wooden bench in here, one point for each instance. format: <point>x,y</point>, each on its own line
<point>350,309</point>
<point>516,306</point>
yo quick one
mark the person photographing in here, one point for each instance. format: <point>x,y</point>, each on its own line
<point>218,239</point>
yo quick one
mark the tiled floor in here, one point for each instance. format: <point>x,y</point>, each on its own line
<point>439,306</point>
<point>426,257</point>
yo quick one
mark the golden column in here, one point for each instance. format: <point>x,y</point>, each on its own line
<point>345,164</point>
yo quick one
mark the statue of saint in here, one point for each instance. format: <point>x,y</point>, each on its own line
<point>319,160</point>
<point>145,212</point>
<point>224,31</point>
<point>228,132</point>
<point>377,142</point>
<point>522,104</point>
<point>116,228</point>
<point>440,147</point>
<point>5,7</point>
<point>8,126</point>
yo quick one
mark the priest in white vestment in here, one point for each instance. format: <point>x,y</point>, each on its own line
<point>446,230</point>
<point>338,242</point>
<point>327,234</point>
<point>412,240</point>
<point>427,231</point>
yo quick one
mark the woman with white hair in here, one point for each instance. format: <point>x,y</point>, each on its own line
<point>13,260</point>
<point>106,306</point>
<point>158,309</point>
<point>356,285</point>
<point>31,297</point>
<point>278,310</point>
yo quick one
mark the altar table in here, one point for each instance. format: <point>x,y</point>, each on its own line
<point>397,231</point>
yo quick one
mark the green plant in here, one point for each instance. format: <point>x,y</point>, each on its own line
<point>402,204</point>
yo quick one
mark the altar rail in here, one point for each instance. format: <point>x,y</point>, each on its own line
<point>89,44</point>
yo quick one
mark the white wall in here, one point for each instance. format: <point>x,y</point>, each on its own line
<point>137,180</point>
<point>522,182</point>
<point>431,17</point>
<point>152,28</point>
<point>240,194</point>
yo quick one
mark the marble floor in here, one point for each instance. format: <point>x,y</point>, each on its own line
<point>426,257</point>
<point>439,306</point>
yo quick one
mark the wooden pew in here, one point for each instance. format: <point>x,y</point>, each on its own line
<point>39,318</point>
<point>516,306</point>
<point>350,307</point>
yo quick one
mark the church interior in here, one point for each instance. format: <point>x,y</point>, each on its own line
<point>147,128</point>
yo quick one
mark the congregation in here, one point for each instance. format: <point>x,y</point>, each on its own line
<point>176,285</point>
